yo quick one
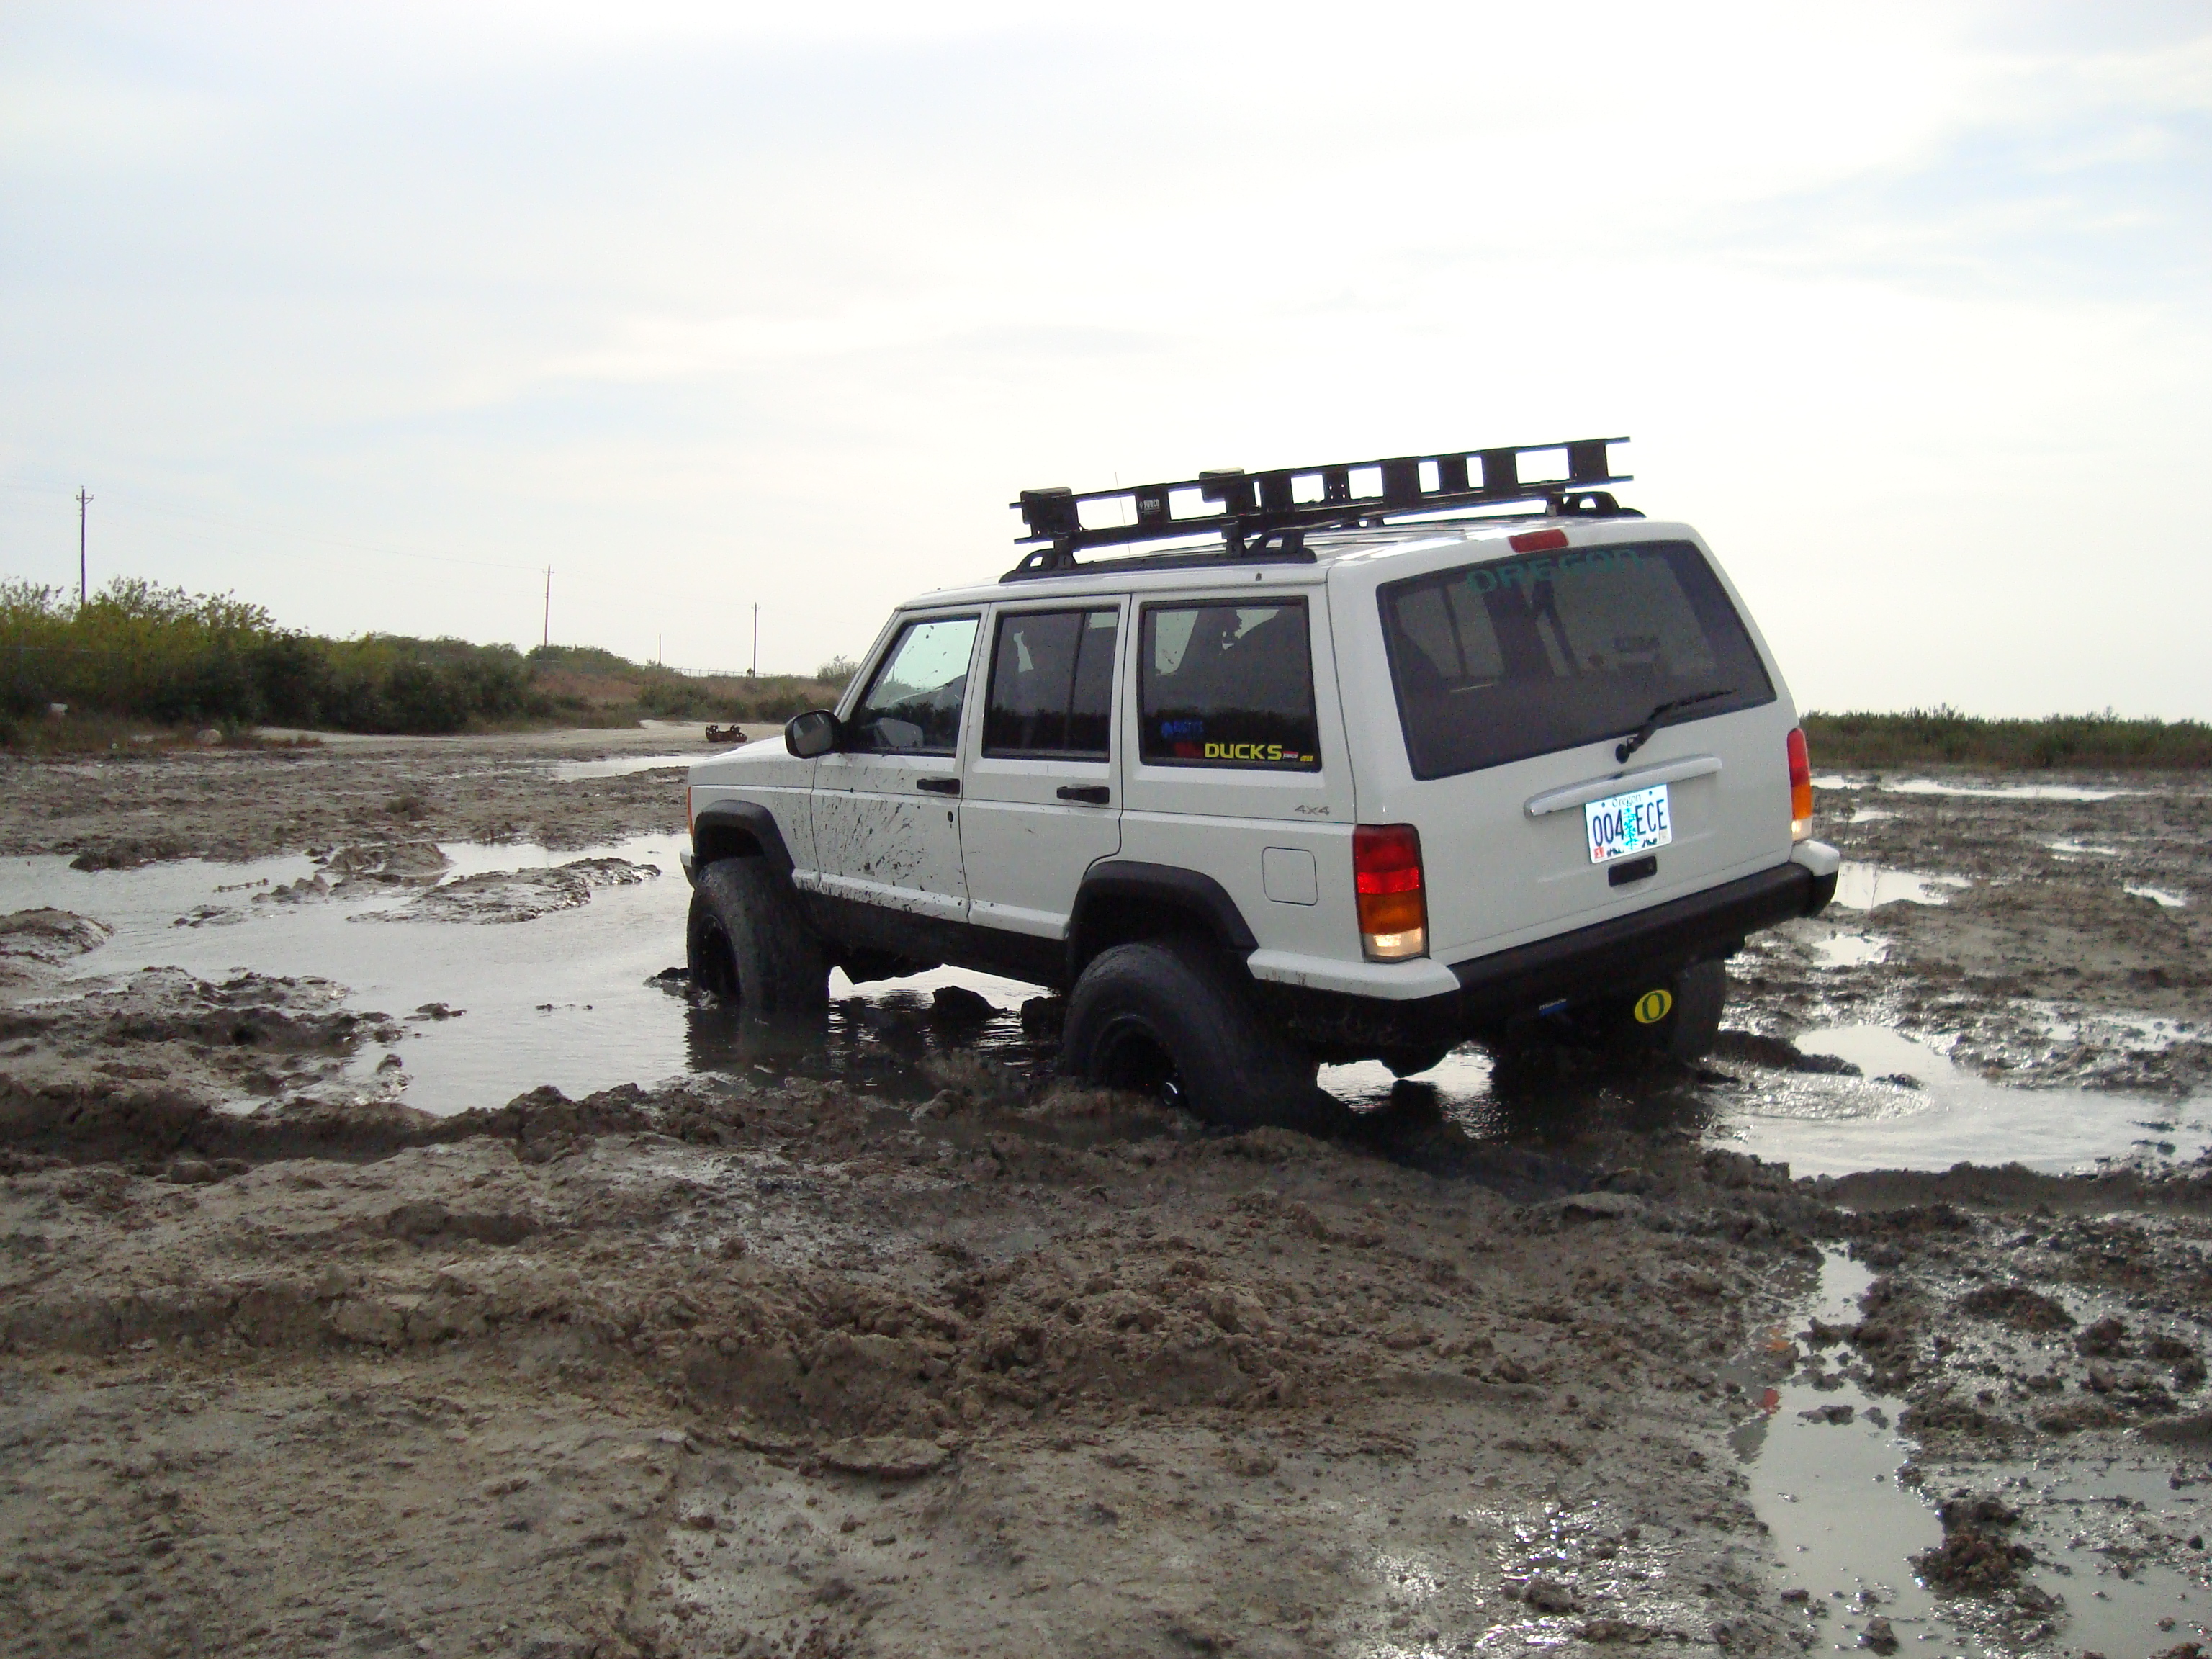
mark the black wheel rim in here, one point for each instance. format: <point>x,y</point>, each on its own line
<point>718,962</point>
<point>1130,1054</point>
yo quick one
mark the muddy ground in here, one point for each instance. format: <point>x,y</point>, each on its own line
<point>756,1363</point>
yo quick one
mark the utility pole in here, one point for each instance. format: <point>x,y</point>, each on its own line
<point>83,500</point>
<point>548,639</point>
<point>753,674</point>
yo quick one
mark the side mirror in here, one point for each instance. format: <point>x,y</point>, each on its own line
<point>814,732</point>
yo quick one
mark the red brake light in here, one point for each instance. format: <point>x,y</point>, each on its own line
<point>1801,786</point>
<point>1386,878</point>
<point>1537,541</point>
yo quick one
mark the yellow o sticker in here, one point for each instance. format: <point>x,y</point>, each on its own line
<point>1653,1006</point>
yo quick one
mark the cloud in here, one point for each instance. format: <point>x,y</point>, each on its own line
<point>708,304</point>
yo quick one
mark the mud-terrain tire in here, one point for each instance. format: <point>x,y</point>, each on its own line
<point>1168,1016</point>
<point>747,942</point>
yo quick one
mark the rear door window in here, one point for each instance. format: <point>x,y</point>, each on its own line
<point>1498,661</point>
<point>913,704</point>
<point>1052,685</point>
<point>1224,683</point>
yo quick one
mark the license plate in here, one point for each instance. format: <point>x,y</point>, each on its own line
<point>1621,826</point>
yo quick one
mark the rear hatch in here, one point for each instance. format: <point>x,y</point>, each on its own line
<point>1515,670</point>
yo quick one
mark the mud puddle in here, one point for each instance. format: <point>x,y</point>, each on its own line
<point>623,766</point>
<point>2163,898</point>
<point>2074,792</point>
<point>1912,1107</point>
<point>503,967</point>
<point>1866,1546</point>
<point>1864,886</point>
<point>1822,1455</point>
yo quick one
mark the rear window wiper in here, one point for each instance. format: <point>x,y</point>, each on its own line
<point>1642,735</point>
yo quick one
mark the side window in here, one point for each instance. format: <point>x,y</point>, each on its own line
<point>913,704</point>
<point>1052,685</point>
<point>1228,684</point>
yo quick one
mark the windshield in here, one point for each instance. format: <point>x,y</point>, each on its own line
<point>1527,655</point>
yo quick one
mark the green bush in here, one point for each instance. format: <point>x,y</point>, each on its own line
<point>176,659</point>
<point>1944,736</point>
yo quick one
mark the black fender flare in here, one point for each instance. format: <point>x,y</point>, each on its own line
<point>1111,882</point>
<point>739,829</point>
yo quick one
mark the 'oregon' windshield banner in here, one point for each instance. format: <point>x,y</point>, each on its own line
<point>1526,572</point>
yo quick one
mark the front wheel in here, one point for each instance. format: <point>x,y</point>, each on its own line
<point>1169,1018</point>
<point>746,942</point>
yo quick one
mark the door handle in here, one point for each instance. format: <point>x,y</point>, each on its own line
<point>1090,794</point>
<point>938,785</point>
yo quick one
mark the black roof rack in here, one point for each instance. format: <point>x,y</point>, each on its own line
<point>1261,516</point>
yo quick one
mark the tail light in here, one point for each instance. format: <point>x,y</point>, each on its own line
<point>1801,787</point>
<point>690,814</point>
<point>1386,875</point>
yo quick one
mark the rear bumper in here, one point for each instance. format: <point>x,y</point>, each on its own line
<point>1625,954</point>
<point>1629,951</point>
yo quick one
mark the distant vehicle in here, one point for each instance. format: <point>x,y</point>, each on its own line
<point>1403,753</point>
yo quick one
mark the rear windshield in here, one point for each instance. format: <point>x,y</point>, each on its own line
<point>1521,656</point>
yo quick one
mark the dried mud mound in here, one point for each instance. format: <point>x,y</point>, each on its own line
<point>248,804</point>
<point>513,896</point>
<point>165,1062</point>
<point>899,1373</point>
<point>32,939</point>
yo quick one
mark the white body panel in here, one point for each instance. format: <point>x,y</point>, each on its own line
<point>769,774</point>
<point>1222,821</point>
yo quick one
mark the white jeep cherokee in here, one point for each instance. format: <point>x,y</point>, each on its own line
<point>1353,778</point>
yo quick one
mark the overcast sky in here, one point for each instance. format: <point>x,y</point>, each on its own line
<point>370,313</point>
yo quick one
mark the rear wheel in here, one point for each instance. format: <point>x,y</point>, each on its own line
<point>1681,1016</point>
<point>1168,1018</point>
<point>747,942</point>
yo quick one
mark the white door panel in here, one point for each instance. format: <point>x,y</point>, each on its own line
<point>881,839</point>
<point>1041,798</point>
<point>1028,849</point>
<point>886,808</point>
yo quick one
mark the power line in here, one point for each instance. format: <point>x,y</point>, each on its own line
<point>83,502</point>
<point>225,522</point>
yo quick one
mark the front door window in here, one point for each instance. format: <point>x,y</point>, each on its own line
<point>913,704</point>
